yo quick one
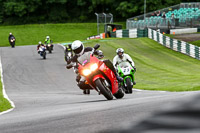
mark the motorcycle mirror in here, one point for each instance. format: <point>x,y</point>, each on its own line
<point>96,46</point>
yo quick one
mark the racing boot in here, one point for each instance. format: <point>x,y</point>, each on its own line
<point>120,79</point>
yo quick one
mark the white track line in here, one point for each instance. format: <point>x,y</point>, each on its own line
<point>4,92</point>
<point>61,46</point>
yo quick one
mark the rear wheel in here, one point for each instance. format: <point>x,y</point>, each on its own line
<point>129,85</point>
<point>103,89</point>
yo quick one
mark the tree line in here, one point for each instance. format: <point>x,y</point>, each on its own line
<point>61,11</point>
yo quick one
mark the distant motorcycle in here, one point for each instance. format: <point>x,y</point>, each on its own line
<point>49,47</point>
<point>12,42</point>
<point>42,52</point>
<point>126,71</point>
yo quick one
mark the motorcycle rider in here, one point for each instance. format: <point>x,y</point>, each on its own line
<point>122,57</point>
<point>68,48</point>
<point>10,38</point>
<point>48,41</point>
<point>79,49</point>
<point>39,45</point>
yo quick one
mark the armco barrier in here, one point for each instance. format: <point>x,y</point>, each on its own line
<point>176,45</point>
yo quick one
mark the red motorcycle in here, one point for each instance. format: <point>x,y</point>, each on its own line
<point>99,76</point>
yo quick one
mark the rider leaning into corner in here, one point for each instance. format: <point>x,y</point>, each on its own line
<point>48,41</point>
<point>79,49</point>
<point>39,45</point>
<point>11,37</point>
<point>68,48</point>
<point>122,57</point>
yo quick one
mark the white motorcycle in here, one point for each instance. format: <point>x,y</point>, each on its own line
<point>42,52</point>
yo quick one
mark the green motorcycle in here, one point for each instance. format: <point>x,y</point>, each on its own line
<point>126,71</point>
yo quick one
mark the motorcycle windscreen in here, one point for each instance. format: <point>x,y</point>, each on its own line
<point>124,64</point>
<point>125,68</point>
<point>41,48</point>
<point>85,58</point>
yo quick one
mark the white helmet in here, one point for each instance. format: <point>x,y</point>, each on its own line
<point>78,47</point>
<point>40,42</point>
<point>47,37</point>
<point>120,50</point>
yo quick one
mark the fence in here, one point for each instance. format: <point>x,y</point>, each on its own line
<point>174,44</point>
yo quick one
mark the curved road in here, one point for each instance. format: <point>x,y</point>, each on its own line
<point>47,99</point>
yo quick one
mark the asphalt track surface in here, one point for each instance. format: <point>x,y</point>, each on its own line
<point>47,99</point>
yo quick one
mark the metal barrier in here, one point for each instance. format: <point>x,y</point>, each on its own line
<point>174,44</point>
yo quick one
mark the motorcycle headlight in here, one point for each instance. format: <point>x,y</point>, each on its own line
<point>86,72</point>
<point>93,67</point>
<point>69,54</point>
<point>49,45</point>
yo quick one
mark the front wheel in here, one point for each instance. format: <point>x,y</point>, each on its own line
<point>86,91</point>
<point>129,85</point>
<point>103,89</point>
<point>44,55</point>
<point>12,44</point>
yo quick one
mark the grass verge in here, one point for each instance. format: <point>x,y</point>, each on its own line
<point>32,34</point>
<point>158,68</point>
<point>197,43</point>
<point>4,103</point>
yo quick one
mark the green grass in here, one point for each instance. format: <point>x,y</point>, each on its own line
<point>158,68</point>
<point>169,35</point>
<point>32,34</point>
<point>197,43</point>
<point>4,103</point>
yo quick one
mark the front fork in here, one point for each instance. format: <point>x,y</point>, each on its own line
<point>125,80</point>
